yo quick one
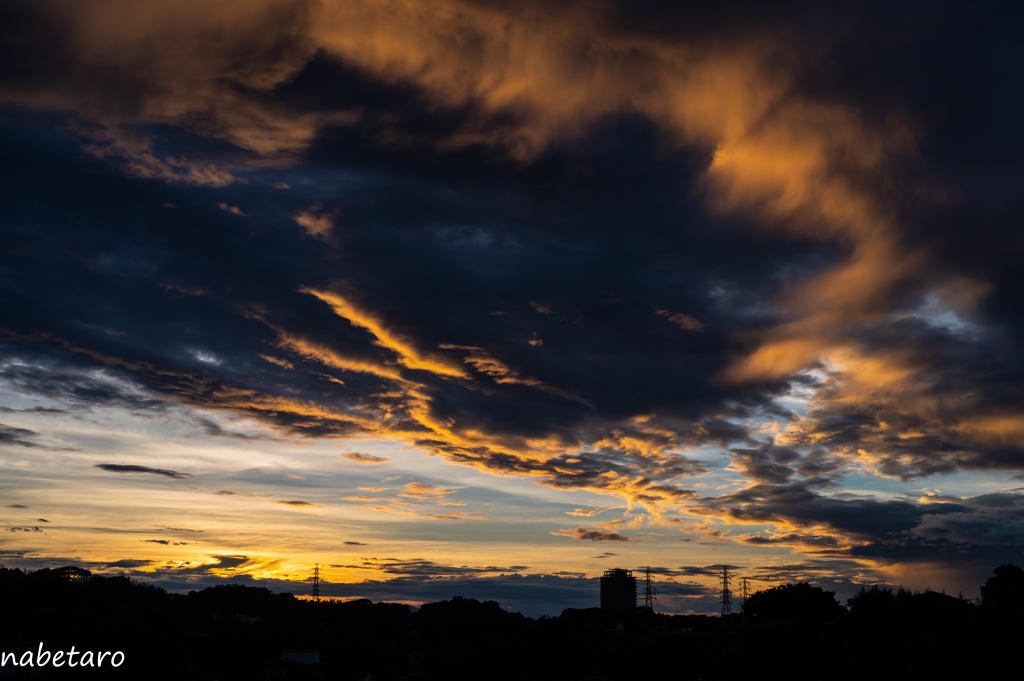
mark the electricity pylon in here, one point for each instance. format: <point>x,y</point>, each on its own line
<point>649,591</point>
<point>726,593</point>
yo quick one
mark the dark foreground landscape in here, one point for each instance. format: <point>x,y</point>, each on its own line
<point>241,632</point>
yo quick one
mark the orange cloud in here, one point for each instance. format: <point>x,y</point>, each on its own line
<point>316,221</point>
<point>234,210</point>
<point>321,353</point>
<point>589,512</point>
<point>280,362</point>
<point>418,490</point>
<point>408,355</point>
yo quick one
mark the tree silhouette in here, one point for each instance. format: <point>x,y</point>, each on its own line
<point>795,602</point>
<point>874,603</point>
<point>73,573</point>
<point>1004,590</point>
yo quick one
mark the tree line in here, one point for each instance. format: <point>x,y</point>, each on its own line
<point>796,631</point>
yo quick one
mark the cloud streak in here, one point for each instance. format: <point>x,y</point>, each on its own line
<point>584,534</point>
<point>132,468</point>
<point>360,457</point>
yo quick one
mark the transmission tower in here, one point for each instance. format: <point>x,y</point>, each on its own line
<point>649,591</point>
<point>726,593</point>
<point>746,591</point>
<point>316,582</point>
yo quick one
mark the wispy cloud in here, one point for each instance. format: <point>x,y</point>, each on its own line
<point>590,512</point>
<point>316,221</point>
<point>234,210</point>
<point>422,491</point>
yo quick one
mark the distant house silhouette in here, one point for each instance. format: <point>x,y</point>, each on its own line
<point>618,591</point>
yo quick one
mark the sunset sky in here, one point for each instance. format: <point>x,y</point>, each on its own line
<point>482,298</point>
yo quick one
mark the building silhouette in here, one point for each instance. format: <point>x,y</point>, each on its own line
<point>618,591</point>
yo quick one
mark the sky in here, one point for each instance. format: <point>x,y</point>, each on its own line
<point>483,298</point>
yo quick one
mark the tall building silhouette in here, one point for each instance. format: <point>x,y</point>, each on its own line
<point>618,591</point>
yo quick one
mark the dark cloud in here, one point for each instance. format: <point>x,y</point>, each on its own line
<point>16,506</point>
<point>975,530</point>
<point>800,504</point>
<point>828,571</point>
<point>611,282</point>
<point>179,529</point>
<point>359,457</point>
<point>222,564</point>
<point>213,428</point>
<point>298,503</point>
<point>354,543</point>
<point>693,571</point>
<point>76,389</point>
<point>129,563</point>
<point>793,539</point>
<point>34,561</point>
<point>131,468</point>
<point>32,410</point>
<point>585,534</point>
<point>23,437</point>
<point>766,464</point>
<point>426,568</point>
